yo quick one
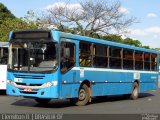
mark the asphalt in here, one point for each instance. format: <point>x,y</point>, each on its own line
<point>146,103</point>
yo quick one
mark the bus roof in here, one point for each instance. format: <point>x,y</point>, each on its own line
<point>101,41</point>
<point>4,44</point>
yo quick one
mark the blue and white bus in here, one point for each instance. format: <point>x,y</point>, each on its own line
<point>49,64</point>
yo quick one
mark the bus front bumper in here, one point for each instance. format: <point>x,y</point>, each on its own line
<point>47,90</point>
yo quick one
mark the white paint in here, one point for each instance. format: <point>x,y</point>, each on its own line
<point>18,80</point>
<point>136,76</point>
<point>111,70</point>
<point>81,72</point>
<point>153,77</point>
<point>3,78</point>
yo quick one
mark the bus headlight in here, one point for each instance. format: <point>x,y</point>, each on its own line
<point>54,83</point>
<point>48,84</point>
<point>10,82</point>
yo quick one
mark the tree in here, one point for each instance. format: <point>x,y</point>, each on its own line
<point>146,46</point>
<point>12,24</point>
<point>114,38</point>
<point>5,13</point>
<point>8,22</point>
<point>88,17</point>
<point>132,42</point>
<point>31,19</point>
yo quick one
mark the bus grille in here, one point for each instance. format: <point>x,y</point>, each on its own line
<point>28,92</point>
<point>29,76</point>
<point>24,84</point>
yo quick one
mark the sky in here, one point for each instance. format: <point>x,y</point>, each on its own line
<point>147,13</point>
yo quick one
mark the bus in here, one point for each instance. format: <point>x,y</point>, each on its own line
<point>49,64</point>
<point>3,64</point>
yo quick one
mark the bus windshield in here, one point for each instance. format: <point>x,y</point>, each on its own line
<point>33,56</point>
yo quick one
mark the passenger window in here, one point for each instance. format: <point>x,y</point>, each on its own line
<point>127,59</point>
<point>67,56</point>
<point>100,56</point>
<point>115,57</point>
<point>85,55</point>
<point>153,62</point>
<point>138,60</point>
<point>146,61</point>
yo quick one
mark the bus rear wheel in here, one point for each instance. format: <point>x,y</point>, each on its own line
<point>42,101</point>
<point>135,91</point>
<point>83,96</point>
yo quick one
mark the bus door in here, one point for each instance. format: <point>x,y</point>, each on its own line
<point>67,62</point>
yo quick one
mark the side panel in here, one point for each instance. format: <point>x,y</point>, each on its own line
<point>3,78</point>
<point>114,82</point>
<point>107,81</point>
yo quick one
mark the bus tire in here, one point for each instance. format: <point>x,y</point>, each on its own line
<point>83,96</point>
<point>42,101</point>
<point>135,91</point>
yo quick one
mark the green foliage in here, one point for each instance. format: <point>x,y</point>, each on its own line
<point>5,13</point>
<point>146,46</point>
<point>9,22</point>
<point>113,38</point>
<point>132,42</point>
<point>12,24</point>
<point>118,39</point>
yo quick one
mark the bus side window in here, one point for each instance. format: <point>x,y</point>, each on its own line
<point>147,61</point>
<point>67,56</point>
<point>115,57</point>
<point>153,62</point>
<point>127,59</point>
<point>138,60</point>
<point>100,58</point>
<point>85,55</point>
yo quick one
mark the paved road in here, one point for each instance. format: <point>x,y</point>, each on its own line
<point>147,103</point>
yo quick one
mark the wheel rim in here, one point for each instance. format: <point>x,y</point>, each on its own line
<point>135,92</point>
<point>82,94</point>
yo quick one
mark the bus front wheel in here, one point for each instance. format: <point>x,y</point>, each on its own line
<point>135,91</point>
<point>83,96</point>
<point>42,101</point>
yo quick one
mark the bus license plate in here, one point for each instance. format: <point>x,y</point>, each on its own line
<point>27,90</point>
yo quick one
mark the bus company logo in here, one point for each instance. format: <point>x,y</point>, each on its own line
<point>136,76</point>
<point>149,117</point>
